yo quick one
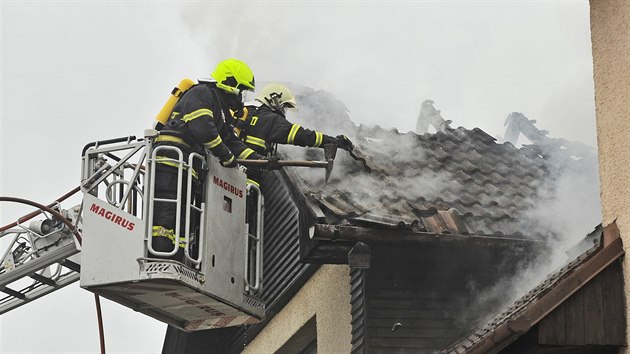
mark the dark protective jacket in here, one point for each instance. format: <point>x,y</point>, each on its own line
<point>198,122</point>
<point>265,127</point>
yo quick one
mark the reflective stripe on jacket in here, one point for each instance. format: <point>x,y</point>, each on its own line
<point>199,120</point>
<point>267,127</point>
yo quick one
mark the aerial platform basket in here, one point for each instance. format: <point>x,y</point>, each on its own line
<point>212,288</point>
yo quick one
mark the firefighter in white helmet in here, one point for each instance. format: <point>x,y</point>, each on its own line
<point>266,126</point>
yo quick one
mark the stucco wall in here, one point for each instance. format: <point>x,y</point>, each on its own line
<point>610,34</point>
<point>327,297</point>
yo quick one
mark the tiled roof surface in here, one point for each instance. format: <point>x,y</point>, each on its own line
<point>457,174</point>
<point>458,181</point>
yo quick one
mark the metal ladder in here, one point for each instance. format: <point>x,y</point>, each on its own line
<point>37,260</point>
<point>184,170</point>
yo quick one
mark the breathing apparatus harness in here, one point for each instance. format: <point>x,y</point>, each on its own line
<point>177,124</point>
<point>242,123</point>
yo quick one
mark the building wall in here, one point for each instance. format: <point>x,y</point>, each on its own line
<point>326,296</point>
<point>610,34</point>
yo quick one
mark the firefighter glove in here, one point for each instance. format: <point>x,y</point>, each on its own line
<point>273,163</point>
<point>344,143</point>
<point>229,162</point>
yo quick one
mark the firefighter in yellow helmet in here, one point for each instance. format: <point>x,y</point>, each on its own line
<point>199,122</point>
<point>266,126</point>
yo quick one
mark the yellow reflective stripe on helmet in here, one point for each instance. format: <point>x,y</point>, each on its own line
<point>319,137</point>
<point>251,181</point>
<point>292,133</point>
<point>172,162</point>
<point>196,114</point>
<point>245,154</point>
<point>256,141</point>
<point>214,143</point>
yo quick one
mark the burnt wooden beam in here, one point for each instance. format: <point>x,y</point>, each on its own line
<point>611,233</point>
<point>329,253</point>
<point>326,232</point>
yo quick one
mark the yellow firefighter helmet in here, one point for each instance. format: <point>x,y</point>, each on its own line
<point>234,76</point>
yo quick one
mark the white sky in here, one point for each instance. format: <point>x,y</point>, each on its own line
<point>79,71</point>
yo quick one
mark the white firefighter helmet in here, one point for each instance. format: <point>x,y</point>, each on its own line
<point>277,97</point>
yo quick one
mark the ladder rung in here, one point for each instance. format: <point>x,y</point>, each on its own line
<point>165,200</point>
<point>13,293</point>
<point>42,279</point>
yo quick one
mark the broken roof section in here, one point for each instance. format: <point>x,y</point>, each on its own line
<point>516,320</point>
<point>455,181</point>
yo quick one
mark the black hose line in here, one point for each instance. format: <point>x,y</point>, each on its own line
<point>99,317</point>
<point>61,218</point>
<point>37,212</point>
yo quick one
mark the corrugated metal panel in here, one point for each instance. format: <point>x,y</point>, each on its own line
<point>281,259</point>
<point>281,244</point>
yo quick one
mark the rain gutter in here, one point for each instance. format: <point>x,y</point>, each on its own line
<point>327,232</point>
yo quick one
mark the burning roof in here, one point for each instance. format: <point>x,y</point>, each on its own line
<point>456,181</point>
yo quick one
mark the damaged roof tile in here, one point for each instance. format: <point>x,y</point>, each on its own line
<point>456,181</point>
